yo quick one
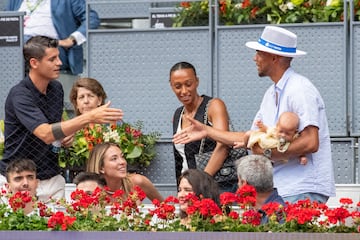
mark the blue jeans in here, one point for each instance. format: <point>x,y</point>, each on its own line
<point>303,196</point>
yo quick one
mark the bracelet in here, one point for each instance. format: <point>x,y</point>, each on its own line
<point>57,131</point>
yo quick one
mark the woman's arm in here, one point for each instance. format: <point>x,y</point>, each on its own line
<point>219,117</point>
<point>147,186</point>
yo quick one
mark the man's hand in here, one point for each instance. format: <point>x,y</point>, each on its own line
<point>105,114</point>
<point>66,43</point>
<point>194,132</point>
<point>256,149</point>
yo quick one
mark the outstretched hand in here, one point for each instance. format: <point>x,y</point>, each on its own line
<point>105,114</point>
<point>194,132</point>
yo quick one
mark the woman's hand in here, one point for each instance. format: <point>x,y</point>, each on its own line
<point>68,140</point>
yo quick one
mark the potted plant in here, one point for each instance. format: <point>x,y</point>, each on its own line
<point>137,147</point>
<point>235,12</point>
<point>96,212</point>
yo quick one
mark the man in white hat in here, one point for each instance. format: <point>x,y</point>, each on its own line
<point>290,92</point>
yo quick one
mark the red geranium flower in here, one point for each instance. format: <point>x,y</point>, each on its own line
<point>19,200</point>
<point>60,221</point>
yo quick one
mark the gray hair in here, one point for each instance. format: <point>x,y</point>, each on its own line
<point>257,171</point>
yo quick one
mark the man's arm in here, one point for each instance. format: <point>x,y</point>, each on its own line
<point>80,34</point>
<point>307,142</point>
<point>48,133</point>
<point>198,130</point>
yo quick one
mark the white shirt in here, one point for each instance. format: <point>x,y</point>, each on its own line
<point>37,20</point>
<point>297,94</point>
<point>181,147</point>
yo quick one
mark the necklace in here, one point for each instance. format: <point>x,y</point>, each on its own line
<point>33,7</point>
<point>110,192</point>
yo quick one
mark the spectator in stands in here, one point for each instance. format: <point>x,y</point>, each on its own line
<point>21,177</point>
<point>88,182</point>
<point>257,171</point>
<point>184,83</point>
<point>200,183</point>
<point>107,160</point>
<point>33,110</point>
<point>88,94</point>
<point>290,92</point>
<point>64,20</point>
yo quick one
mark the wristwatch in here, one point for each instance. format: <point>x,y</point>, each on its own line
<point>267,153</point>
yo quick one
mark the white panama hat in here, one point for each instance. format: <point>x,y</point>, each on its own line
<point>277,40</point>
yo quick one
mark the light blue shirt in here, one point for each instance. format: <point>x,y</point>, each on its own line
<point>297,94</point>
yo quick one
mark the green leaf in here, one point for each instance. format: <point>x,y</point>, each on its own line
<point>135,153</point>
<point>2,125</point>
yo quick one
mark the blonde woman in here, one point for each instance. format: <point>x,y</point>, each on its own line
<point>107,160</point>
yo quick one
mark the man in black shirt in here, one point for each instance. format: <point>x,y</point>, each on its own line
<point>33,110</point>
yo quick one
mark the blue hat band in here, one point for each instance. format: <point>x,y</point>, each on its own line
<point>276,47</point>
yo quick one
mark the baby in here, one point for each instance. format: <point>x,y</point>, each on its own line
<point>278,137</point>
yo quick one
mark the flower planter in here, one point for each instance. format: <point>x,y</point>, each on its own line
<point>35,235</point>
<point>138,148</point>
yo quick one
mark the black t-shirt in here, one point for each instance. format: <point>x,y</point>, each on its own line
<point>25,109</point>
